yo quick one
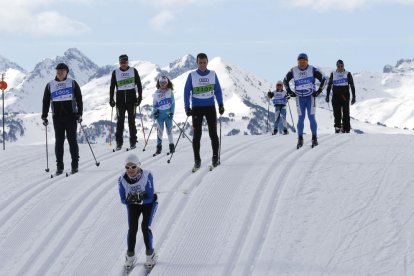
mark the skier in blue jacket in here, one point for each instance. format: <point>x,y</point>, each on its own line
<point>163,111</point>
<point>304,76</point>
<point>279,99</point>
<point>136,190</point>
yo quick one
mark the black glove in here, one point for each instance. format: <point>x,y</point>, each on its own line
<point>221,109</point>
<point>270,94</point>
<point>138,102</point>
<point>133,199</point>
<point>316,93</point>
<point>170,115</point>
<point>45,121</point>
<point>327,99</point>
<point>142,196</point>
<point>352,101</point>
<point>287,96</point>
<point>112,102</point>
<point>79,118</point>
<point>188,112</point>
<point>156,114</point>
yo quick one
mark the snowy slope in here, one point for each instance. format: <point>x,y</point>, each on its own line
<point>343,208</point>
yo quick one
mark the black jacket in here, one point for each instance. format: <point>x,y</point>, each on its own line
<point>63,108</point>
<point>129,96</point>
<point>341,92</point>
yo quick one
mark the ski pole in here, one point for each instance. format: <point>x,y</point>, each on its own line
<point>87,140</point>
<point>219,143</point>
<point>110,128</point>
<point>142,122</point>
<point>146,142</point>
<point>267,121</point>
<point>290,111</point>
<point>179,136</point>
<point>183,132</point>
<point>47,153</point>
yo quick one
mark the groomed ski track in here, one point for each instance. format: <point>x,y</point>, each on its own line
<point>342,208</point>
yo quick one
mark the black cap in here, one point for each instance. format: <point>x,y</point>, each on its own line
<point>339,62</point>
<point>123,58</point>
<point>62,66</point>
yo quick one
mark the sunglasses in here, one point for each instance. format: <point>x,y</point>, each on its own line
<point>279,84</point>
<point>133,167</point>
<point>340,66</point>
<point>123,62</point>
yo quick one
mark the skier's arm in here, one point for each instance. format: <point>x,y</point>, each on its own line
<point>78,97</point>
<point>46,101</point>
<point>218,92</point>
<point>187,91</point>
<point>149,189</point>
<point>286,81</point>
<point>121,190</point>
<point>351,84</point>
<point>330,82</point>
<point>138,83</point>
<point>112,87</point>
<point>318,75</point>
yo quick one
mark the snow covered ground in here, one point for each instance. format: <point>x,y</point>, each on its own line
<point>345,207</point>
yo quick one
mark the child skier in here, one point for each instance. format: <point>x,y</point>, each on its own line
<point>163,111</point>
<point>136,189</point>
<point>279,100</point>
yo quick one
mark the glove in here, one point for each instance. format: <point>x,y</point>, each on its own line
<point>112,102</point>
<point>133,199</point>
<point>221,109</point>
<point>327,99</point>
<point>79,118</point>
<point>138,102</point>
<point>188,112</point>
<point>156,114</point>
<point>352,101</point>
<point>142,196</point>
<point>316,93</point>
<point>170,115</point>
<point>270,94</point>
<point>45,121</point>
<point>287,96</point>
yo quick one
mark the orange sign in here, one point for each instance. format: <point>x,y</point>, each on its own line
<point>3,85</point>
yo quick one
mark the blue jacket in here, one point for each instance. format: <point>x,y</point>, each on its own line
<point>201,102</point>
<point>143,183</point>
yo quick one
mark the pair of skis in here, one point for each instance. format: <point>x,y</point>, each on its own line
<point>300,144</point>
<point>210,168</point>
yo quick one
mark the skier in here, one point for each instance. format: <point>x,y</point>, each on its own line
<point>163,111</point>
<point>136,189</point>
<point>125,79</point>
<point>279,99</point>
<point>304,76</point>
<point>65,97</point>
<point>201,86</point>
<point>341,80</point>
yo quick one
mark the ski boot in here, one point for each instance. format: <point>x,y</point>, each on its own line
<point>74,168</point>
<point>337,130</point>
<point>172,148</point>
<point>59,169</point>
<point>133,145</point>
<point>215,161</point>
<point>151,259</point>
<point>197,165</point>
<point>314,141</point>
<point>300,142</point>
<point>118,146</point>
<point>274,132</point>
<point>285,131</point>
<point>159,148</point>
<point>129,260</point>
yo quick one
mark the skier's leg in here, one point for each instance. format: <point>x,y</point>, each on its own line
<point>311,109</point>
<point>301,106</point>
<point>197,118</point>
<point>148,213</point>
<point>59,126</point>
<point>131,123</point>
<point>169,124</point>
<point>160,129</point>
<point>71,127</point>
<point>346,117</point>
<point>211,117</point>
<point>336,105</point>
<point>283,122</point>
<point>120,115</point>
<point>277,119</point>
<point>134,212</point>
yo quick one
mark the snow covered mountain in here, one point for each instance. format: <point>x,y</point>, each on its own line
<point>382,98</point>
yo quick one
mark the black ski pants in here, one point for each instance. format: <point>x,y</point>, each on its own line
<point>341,114</point>
<point>69,126</point>
<point>120,113</point>
<point>134,212</point>
<point>198,113</point>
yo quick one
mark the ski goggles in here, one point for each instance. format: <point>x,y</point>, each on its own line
<point>133,167</point>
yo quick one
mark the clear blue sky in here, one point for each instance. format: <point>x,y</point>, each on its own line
<point>262,36</point>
